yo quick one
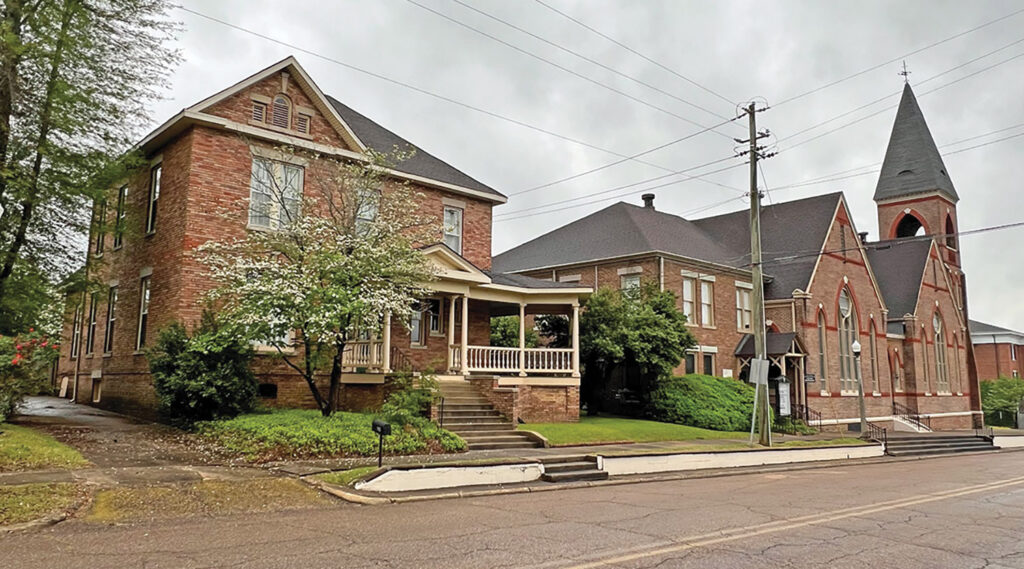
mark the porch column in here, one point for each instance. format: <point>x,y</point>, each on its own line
<point>522,339</point>
<point>465,336</point>
<point>576,340</point>
<point>451,331</point>
<point>386,348</point>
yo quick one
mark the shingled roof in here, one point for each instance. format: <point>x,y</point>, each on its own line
<point>624,229</point>
<point>912,162</point>
<point>899,268</point>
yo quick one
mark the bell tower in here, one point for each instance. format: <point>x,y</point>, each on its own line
<point>915,195</point>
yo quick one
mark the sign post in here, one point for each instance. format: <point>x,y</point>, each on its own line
<point>784,407</point>
<point>758,375</point>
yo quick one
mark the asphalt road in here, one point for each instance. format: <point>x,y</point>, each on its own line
<point>949,512</point>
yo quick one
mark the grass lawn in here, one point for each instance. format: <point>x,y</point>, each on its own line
<point>22,448</point>
<point>206,498</point>
<point>300,433</point>
<point>346,477</point>
<point>593,430</point>
<point>27,502</point>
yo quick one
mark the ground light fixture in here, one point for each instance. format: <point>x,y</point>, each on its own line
<point>856,347</point>
<point>382,428</point>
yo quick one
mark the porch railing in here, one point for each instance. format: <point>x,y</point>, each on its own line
<point>548,360</point>
<point>910,416</point>
<point>363,353</point>
<point>497,359</point>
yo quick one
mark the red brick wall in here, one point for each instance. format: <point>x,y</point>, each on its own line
<point>994,360</point>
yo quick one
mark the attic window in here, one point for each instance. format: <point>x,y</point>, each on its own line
<point>902,172</point>
<point>302,123</point>
<point>259,112</point>
<point>281,112</point>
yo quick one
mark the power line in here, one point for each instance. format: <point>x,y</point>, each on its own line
<point>559,66</point>
<point>411,87</point>
<point>647,189</point>
<point>895,59</point>
<point>633,51</point>
<point>614,163</point>
<point>588,59</point>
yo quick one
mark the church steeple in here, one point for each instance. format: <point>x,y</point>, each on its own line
<point>912,164</point>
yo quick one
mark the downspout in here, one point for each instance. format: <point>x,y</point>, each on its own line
<point>661,274</point>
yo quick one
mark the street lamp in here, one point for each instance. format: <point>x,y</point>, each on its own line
<point>860,388</point>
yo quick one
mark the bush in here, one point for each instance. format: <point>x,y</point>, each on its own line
<point>202,377</point>
<point>1000,399</point>
<point>703,401</point>
<point>410,399</point>
<point>24,365</point>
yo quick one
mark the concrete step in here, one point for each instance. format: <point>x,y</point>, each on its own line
<point>575,475</point>
<point>933,438</point>
<point>940,451</point>
<point>569,466</point>
<point>491,424</point>
<point>448,407</point>
<point>508,437</point>
<point>920,444</point>
<point>466,399</point>
<point>569,458</point>
<point>490,433</point>
<point>470,413</point>
<point>503,446</point>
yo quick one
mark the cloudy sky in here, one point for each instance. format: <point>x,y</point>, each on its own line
<point>678,67</point>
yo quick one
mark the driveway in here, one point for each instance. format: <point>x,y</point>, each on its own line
<point>111,440</point>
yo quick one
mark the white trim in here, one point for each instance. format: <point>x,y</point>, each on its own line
<point>709,349</point>
<point>689,274</point>
<point>453,203</point>
<point>741,284</point>
<point>711,278</point>
<point>634,270</point>
<point>278,156</point>
<point>570,278</point>
<point>640,256</point>
<point>145,272</point>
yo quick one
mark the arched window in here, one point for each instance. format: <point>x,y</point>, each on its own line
<point>926,384</point>
<point>909,226</point>
<point>941,373</point>
<point>847,336</point>
<point>281,112</point>
<point>822,360</point>
<point>950,233</point>
<point>873,351</point>
<point>956,362</point>
<point>895,367</point>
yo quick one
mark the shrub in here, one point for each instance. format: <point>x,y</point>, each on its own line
<point>410,399</point>
<point>1000,399</point>
<point>202,377</point>
<point>715,403</point>
<point>24,363</point>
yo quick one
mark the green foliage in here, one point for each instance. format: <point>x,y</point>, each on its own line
<point>202,377</point>
<point>410,398</point>
<point>25,362</point>
<point>295,433</point>
<point>1000,399</point>
<point>704,401</point>
<point>792,426</point>
<point>555,329</point>
<point>22,448</point>
<point>505,333</point>
<point>594,430</point>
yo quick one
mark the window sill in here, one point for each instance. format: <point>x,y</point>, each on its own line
<point>287,131</point>
<point>108,354</point>
<point>417,347</point>
<point>150,234</point>
<point>848,393</point>
<point>139,353</point>
<point>712,327</point>
<point>826,393</point>
<point>876,394</point>
<point>927,394</point>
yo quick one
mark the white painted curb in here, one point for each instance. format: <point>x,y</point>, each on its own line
<point>648,464</point>
<point>1008,441</point>
<point>401,480</point>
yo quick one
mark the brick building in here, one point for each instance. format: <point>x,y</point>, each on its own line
<point>207,170</point>
<point>998,352</point>
<point>825,287</point>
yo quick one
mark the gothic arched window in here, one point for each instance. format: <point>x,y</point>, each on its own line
<point>847,336</point>
<point>941,373</point>
<point>822,354</point>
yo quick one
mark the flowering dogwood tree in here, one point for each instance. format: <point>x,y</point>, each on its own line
<point>331,257</point>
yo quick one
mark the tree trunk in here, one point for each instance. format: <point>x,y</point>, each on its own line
<point>10,58</point>
<point>335,387</point>
<point>309,374</point>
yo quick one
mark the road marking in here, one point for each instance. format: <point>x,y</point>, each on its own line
<point>732,534</point>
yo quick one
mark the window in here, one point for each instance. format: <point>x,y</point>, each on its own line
<point>1015,374</point>
<point>275,193</point>
<point>154,195</point>
<point>108,336</point>
<point>76,331</point>
<point>101,226</point>
<point>122,196</point>
<point>140,340</point>
<point>366,210</point>
<point>744,313</point>
<point>302,123</point>
<point>941,372</point>
<point>956,361</point>
<point>924,358</point>
<point>629,282</point>
<point>90,332</point>
<point>259,112</point>
<point>847,336</point>
<point>97,389</point>
<point>434,316</point>
<point>416,336</point>
<point>707,299</point>
<point>822,361</point>
<point>873,352</point>
<point>281,112</point>
<point>1013,352</point>
<point>691,363</point>
<point>709,363</point>
<point>689,285</point>
<point>453,228</point>
<point>894,362</point>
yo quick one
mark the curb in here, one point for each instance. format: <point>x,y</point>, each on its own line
<point>50,520</point>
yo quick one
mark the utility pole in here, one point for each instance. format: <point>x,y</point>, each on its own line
<point>762,415</point>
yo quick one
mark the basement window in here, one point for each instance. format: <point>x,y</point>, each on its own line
<point>267,390</point>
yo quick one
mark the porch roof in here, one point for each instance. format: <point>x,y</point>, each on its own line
<point>775,343</point>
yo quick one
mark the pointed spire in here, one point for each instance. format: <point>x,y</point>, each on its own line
<point>912,162</point>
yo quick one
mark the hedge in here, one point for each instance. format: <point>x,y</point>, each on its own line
<point>716,403</point>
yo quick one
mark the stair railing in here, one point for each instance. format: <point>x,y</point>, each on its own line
<point>878,434</point>
<point>907,414</point>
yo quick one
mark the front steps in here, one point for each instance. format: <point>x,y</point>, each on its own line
<point>929,445</point>
<point>572,469</point>
<point>469,415</point>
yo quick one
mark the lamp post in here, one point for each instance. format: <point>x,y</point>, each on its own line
<point>860,388</point>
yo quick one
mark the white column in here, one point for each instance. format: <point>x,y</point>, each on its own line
<point>522,339</point>
<point>465,335</point>
<point>575,341</point>
<point>451,332</point>
<point>386,348</point>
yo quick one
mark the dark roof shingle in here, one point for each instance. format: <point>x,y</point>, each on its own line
<point>898,268</point>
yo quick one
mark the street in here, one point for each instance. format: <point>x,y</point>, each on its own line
<point>965,511</point>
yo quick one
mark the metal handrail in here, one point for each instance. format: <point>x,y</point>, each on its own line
<point>878,434</point>
<point>902,411</point>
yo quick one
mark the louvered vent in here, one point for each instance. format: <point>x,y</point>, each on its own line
<point>302,123</point>
<point>279,115</point>
<point>259,112</point>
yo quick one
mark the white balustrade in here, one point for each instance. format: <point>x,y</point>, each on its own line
<point>506,360</point>
<point>548,360</point>
<point>363,353</point>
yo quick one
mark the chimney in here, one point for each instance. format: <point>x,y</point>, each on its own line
<point>863,236</point>
<point>648,200</point>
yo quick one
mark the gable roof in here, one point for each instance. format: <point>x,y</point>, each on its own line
<point>899,268</point>
<point>792,233</point>
<point>912,163</point>
<point>618,230</point>
<point>984,328</point>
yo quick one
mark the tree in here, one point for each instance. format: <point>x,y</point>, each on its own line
<point>639,328</point>
<point>333,263</point>
<point>505,332</point>
<point>554,328</point>
<point>76,77</point>
<point>1000,399</point>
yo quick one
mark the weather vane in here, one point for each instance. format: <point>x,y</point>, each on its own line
<point>905,73</point>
